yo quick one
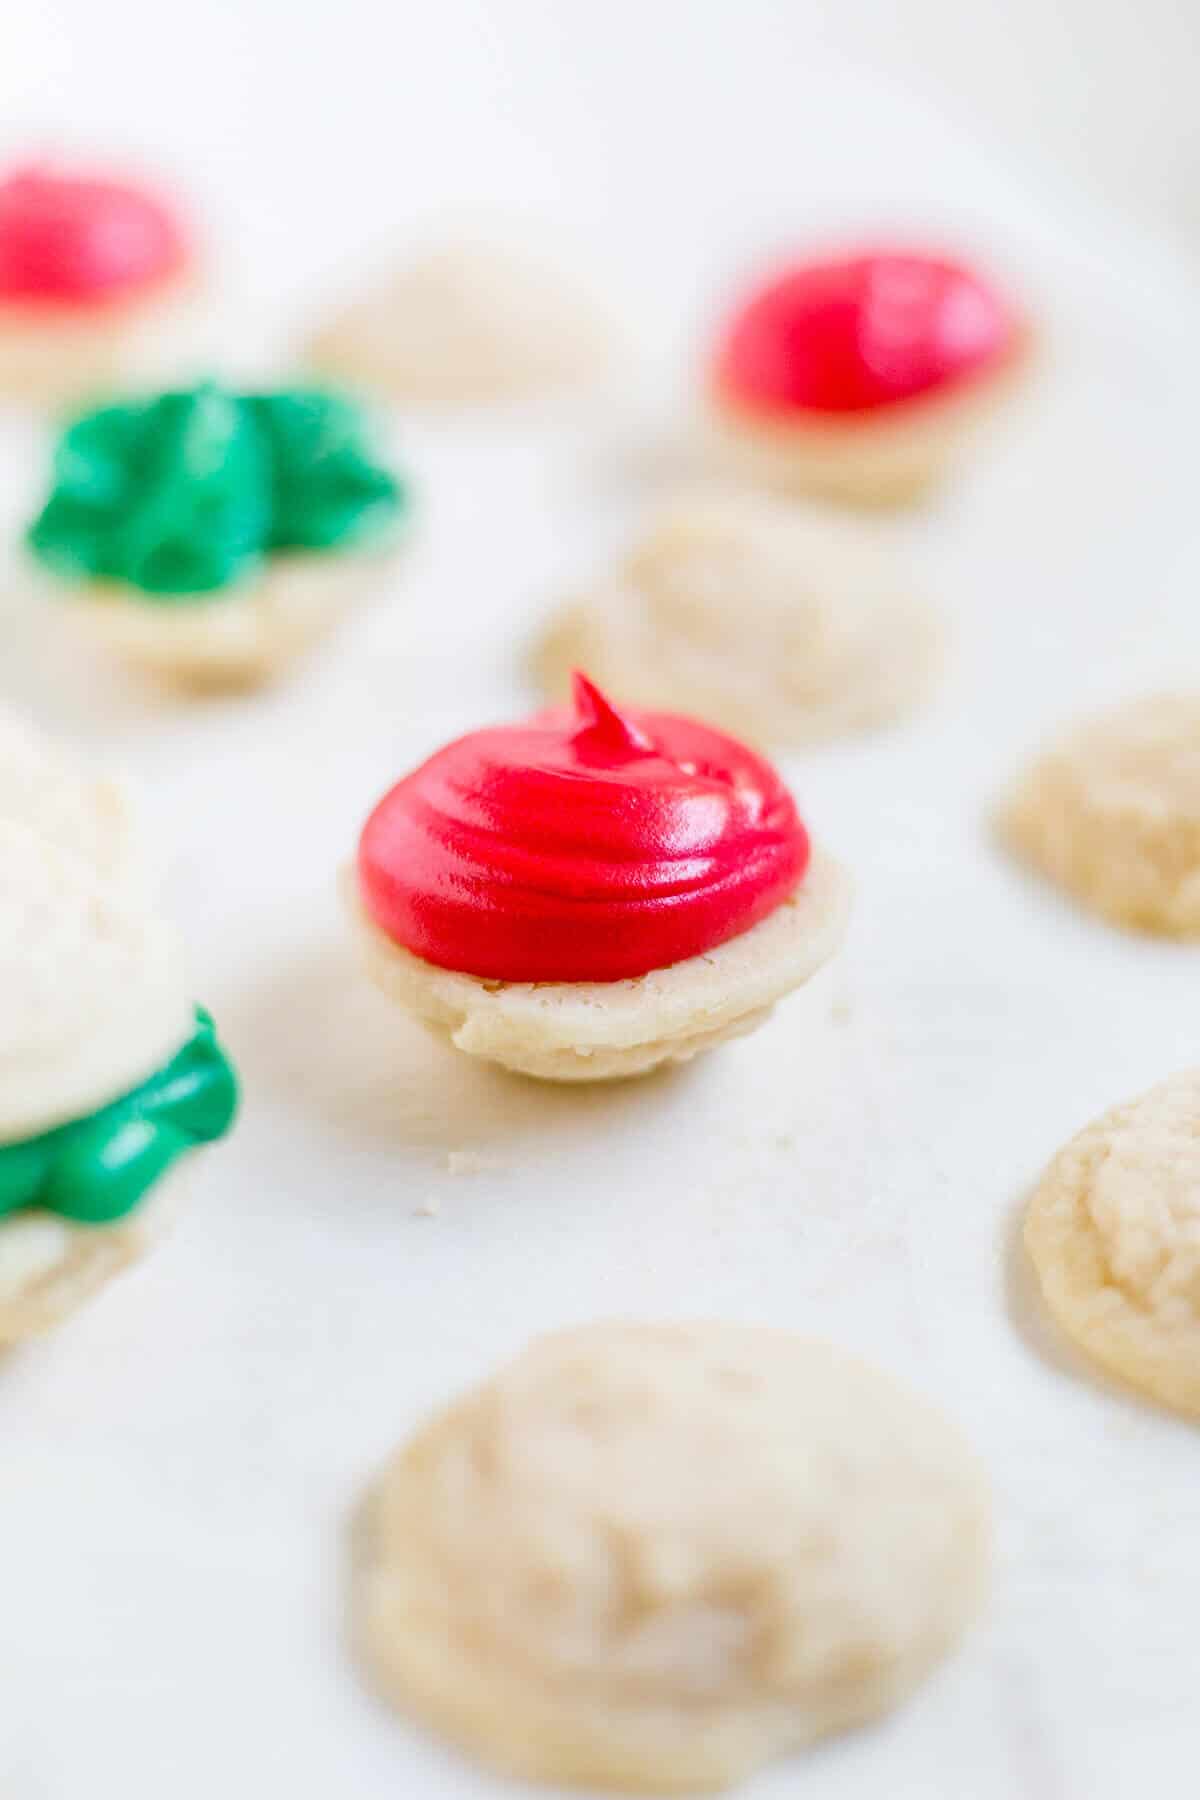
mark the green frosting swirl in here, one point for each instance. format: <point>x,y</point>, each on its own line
<point>186,494</point>
<point>96,1169</point>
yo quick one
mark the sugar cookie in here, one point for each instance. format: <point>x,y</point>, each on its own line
<point>591,893</point>
<point>466,326</point>
<point>98,285</point>
<point>1114,1233</point>
<point>859,377</point>
<point>654,1557</point>
<point>108,1077</point>
<point>212,537</point>
<point>778,624</point>
<point>1111,813</point>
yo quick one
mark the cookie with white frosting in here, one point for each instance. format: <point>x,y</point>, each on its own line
<point>109,1077</point>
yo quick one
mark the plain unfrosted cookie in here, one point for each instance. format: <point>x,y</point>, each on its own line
<point>774,622</point>
<point>604,1031</point>
<point>1114,1233</point>
<point>52,791</point>
<point>1111,813</point>
<point>92,996</point>
<point>653,1557</point>
<point>466,325</point>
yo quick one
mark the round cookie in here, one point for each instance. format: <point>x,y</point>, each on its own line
<point>1114,1234</point>
<point>606,1031</point>
<point>653,1557</point>
<point>1111,814</point>
<point>589,893</point>
<point>99,285</point>
<point>778,624</point>
<point>55,794</point>
<point>212,537</point>
<point>466,325</point>
<point>859,376</point>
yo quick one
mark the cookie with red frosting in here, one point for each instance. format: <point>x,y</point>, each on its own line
<point>97,280</point>
<point>857,376</point>
<point>592,892</point>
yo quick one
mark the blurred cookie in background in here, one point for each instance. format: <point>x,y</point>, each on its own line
<point>99,284</point>
<point>862,377</point>
<point>780,624</point>
<point>212,537</point>
<point>1110,813</point>
<point>464,326</point>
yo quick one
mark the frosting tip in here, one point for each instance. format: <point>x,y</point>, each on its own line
<point>597,713</point>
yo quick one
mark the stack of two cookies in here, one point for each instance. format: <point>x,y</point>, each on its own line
<point>109,1074</point>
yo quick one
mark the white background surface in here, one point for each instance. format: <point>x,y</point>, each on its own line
<point>177,1468</point>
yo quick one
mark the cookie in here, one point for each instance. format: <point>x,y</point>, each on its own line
<point>98,284</point>
<point>109,1077</point>
<point>466,326</point>
<point>860,377</point>
<point>780,625</point>
<point>606,1031</point>
<point>212,537</point>
<point>1111,814</point>
<point>653,1557</point>
<point>1114,1234</point>
<point>592,892</point>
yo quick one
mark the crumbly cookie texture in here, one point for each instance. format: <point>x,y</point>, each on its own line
<point>892,457</point>
<point>56,794</point>
<point>780,625</point>
<point>466,325</point>
<point>653,1557</point>
<point>50,1266</point>
<point>1114,1233</point>
<point>1111,813</point>
<point>604,1031</point>
<point>92,996</point>
<point>238,638</point>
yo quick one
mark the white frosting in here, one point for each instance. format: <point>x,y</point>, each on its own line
<point>92,996</point>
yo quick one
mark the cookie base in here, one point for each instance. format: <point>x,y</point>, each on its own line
<point>49,1267</point>
<point>64,356</point>
<point>610,1030</point>
<point>240,639</point>
<point>892,459</point>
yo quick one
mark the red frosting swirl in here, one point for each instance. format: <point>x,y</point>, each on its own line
<point>580,845</point>
<point>858,332</point>
<point>79,239</point>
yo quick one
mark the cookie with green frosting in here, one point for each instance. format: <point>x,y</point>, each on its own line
<point>96,1169</point>
<point>188,493</point>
